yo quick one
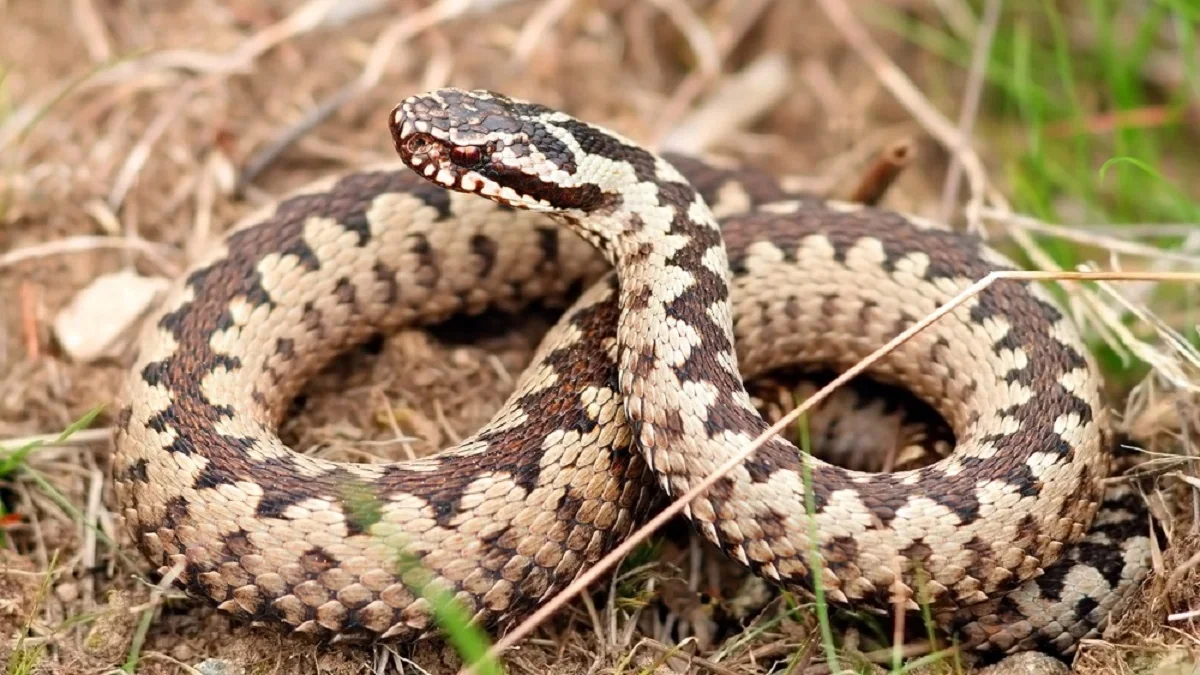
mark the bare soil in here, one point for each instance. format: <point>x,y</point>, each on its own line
<point>149,150</point>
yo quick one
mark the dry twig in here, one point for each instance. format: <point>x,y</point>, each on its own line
<point>1081,236</point>
<point>141,150</point>
<point>309,16</point>
<point>95,38</point>
<point>882,173</point>
<point>381,53</point>
<point>161,254</point>
<point>693,85</point>
<point>885,655</point>
<point>740,99</point>
<point>970,108</point>
<point>703,45</point>
<point>907,93</point>
<point>701,664</point>
<point>29,323</point>
<point>547,14</point>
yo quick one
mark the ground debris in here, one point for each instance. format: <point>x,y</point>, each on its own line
<point>98,322</point>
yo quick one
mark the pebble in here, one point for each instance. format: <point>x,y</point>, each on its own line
<point>219,667</point>
<point>101,318</point>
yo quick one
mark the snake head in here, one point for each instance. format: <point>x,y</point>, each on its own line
<point>513,152</point>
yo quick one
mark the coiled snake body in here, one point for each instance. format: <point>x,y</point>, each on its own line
<point>640,381</point>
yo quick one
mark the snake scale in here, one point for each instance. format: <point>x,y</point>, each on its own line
<point>704,275</point>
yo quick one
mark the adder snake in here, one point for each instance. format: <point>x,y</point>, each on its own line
<point>639,382</point>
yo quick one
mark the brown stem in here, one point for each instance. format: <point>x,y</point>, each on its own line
<point>883,172</point>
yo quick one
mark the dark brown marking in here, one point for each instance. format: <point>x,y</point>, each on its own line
<point>313,319</point>
<point>386,277</point>
<point>1086,606</point>
<point>639,300</point>
<point>760,186</point>
<point>773,524</point>
<point>723,489</point>
<point>426,260</point>
<point>344,292</point>
<point>176,512</point>
<point>981,567</point>
<point>260,398</point>
<point>137,471</point>
<point>316,560</point>
<point>212,476</point>
<point>842,550</point>
<point>285,348</point>
<point>595,143</point>
<point>238,544</point>
<point>123,417</point>
<point>485,249</point>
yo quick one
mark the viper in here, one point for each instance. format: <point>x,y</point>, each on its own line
<point>696,277</point>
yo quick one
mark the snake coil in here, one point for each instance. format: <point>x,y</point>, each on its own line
<point>1010,538</point>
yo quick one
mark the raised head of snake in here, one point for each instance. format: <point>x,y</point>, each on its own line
<point>528,156</point>
<point>1006,369</point>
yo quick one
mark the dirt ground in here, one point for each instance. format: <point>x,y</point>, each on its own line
<point>142,163</point>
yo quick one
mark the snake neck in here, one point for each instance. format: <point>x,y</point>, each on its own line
<point>679,371</point>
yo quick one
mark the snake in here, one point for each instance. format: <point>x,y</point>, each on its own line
<point>680,277</point>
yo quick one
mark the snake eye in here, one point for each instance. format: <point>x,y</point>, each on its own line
<point>420,144</point>
<point>466,156</point>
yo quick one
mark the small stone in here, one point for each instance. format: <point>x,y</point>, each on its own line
<point>219,667</point>
<point>183,652</point>
<point>1027,663</point>
<point>66,592</point>
<point>100,318</point>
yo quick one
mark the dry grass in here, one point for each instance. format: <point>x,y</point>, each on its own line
<point>131,134</point>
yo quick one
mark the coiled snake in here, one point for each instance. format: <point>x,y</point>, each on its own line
<point>993,536</point>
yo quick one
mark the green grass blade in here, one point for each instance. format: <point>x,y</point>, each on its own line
<point>465,636</point>
<point>11,460</point>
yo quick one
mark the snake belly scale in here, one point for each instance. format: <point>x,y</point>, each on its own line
<point>641,381</point>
